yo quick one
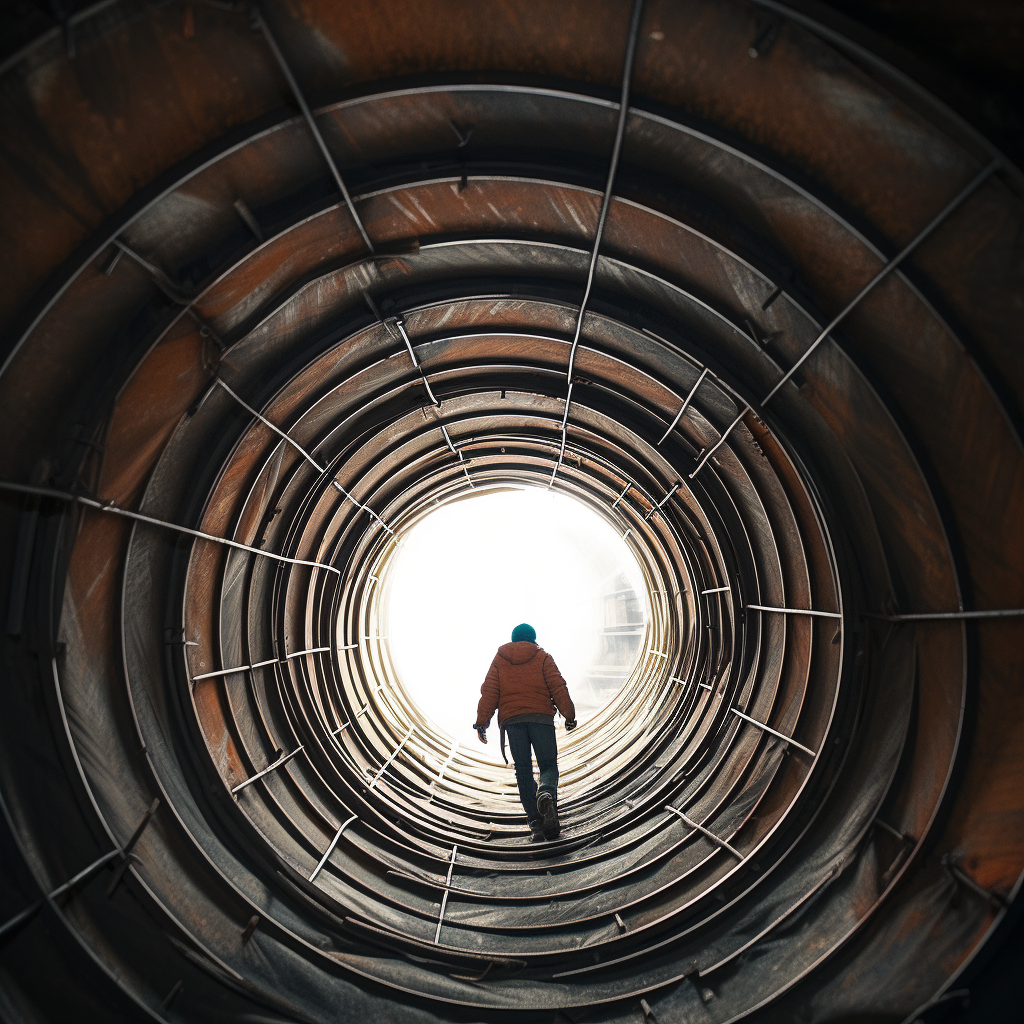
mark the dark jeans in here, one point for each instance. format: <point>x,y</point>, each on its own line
<point>521,737</point>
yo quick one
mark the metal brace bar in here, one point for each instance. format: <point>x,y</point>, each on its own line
<point>164,283</point>
<point>565,411</point>
<point>277,764</point>
<point>415,362</point>
<point>774,732</point>
<point>455,451</point>
<point>684,406</point>
<point>564,431</point>
<point>260,664</point>
<point>620,131</point>
<point>458,453</point>
<point>83,874</point>
<point>444,767</point>
<point>307,114</point>
<point>894,832</point>
<point>248,219</point>
<point>119,874</point>
<point>383,767</point>
<point>975,183</point>
<point>48,492</point>
<point>795,611</point>
<point>622,495</point>
<point>240,668</point>
<point>137,834</point>
<point>717,590</point>
<point>247,931</point>
<point>172,995</point>
<point>959,875</point>
<point>25,914</point>
<point>700,828</point>
<point>169,288</point>
<point>302,451</point>
<point>375,310</point>
<point>114,260</point>
<point>718,444</point>
<point>330,849</point>
<point>661,504</point>
<point>444,897</point>
<point>994,613</point>
<point>20,917</point>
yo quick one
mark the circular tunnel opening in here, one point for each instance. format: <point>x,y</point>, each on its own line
<point>465,574</point>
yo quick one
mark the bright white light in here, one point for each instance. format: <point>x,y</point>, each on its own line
<point>472,570</point>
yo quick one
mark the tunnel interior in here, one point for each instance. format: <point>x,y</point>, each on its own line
<point>469,568</point>
<point>285,281</point>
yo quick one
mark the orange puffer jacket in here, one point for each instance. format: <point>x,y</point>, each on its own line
<point>523,680</point>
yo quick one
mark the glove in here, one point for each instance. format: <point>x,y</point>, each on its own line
<point>570,724</point>
<point>481,731</point>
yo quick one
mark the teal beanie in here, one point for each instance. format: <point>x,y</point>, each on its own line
<point>524,632</point>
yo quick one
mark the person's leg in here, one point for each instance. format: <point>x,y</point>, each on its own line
<point>542,737</point>
<point>519,744</point>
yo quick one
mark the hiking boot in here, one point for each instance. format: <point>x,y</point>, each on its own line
<point>548,811</point>
<point>537,830</point>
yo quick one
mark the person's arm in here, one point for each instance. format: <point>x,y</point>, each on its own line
<point>488,701</point>
<point>559,691</point>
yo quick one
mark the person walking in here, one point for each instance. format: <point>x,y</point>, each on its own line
<point>525,687</point>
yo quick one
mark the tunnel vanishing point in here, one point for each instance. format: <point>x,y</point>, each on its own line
<point>280,280</point>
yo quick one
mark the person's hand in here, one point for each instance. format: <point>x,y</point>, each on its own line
<point>481,731</point>
<point>570,724</point>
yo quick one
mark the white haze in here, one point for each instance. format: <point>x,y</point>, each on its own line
<point>472,570</point>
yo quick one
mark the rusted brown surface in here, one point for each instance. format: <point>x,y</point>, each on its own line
<point>885,478</point>
<point>148,409</point>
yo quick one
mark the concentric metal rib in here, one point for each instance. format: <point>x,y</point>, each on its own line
<point>494,291</point>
